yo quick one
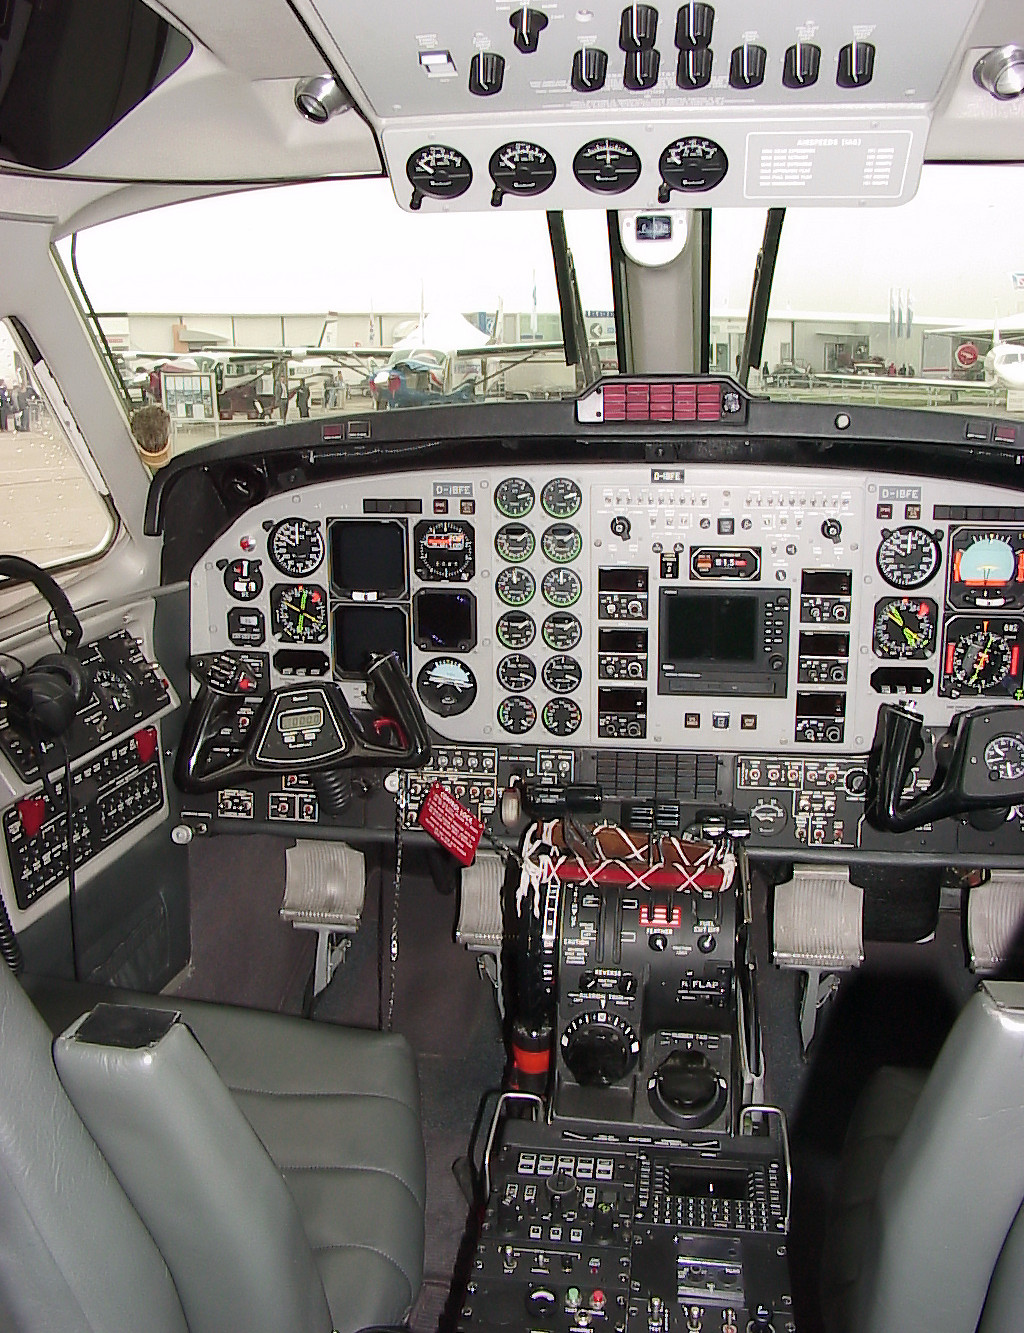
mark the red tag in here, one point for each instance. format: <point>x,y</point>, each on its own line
<point>451,824</point>
<point>32,810</point>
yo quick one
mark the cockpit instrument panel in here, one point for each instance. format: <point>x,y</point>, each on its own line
<point>629,605</point>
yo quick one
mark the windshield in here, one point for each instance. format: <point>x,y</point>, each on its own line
<point>292,302</point>
<point>280,304</point>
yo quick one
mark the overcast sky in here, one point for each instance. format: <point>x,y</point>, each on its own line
<point>346,246</point>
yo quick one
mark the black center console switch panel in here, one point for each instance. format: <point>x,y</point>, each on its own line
<point>638,1236</point>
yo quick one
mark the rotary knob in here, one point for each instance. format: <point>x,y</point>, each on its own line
<point>747,65</point>
<point>641,70</point>
<point>589,69</point>
<point>693,69</point>
<point>486,73</point>
<point>856,64</point>
<point>527,26</point>
<point>694,24</point>
<point>801,65</point>
<point>638,28</point>
<point>686,1091</point>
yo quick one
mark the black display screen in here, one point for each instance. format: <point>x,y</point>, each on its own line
<point>707,1183</point>
<point>826,583</point>
<point>367,558</point>
<point>708,627</point>
<point>444,621</point>
<point>360,631</point>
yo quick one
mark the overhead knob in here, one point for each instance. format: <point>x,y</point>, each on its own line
<point>856,64</point>
<point>589,69</point>
<point>801,65</point>
<point>527,26</point>
<point>694,24</point>
<point>486,73</point>
<point>638,28</point>
<point>641,70</point>
<point>693,69</point>
<point>747,65</point>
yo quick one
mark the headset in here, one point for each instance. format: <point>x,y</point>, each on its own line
<point>45,697</point>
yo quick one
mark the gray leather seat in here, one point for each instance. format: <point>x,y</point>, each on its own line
<point>337,1110</point>
<point>926,1234</point>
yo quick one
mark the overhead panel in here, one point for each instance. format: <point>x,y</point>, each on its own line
<point>555,105</point>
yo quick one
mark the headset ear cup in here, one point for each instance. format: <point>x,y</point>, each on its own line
<point>49,694</point>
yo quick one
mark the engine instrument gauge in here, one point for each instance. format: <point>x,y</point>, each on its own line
<point>296,546</point>
<point>561,716</point>
<point>986,569</point>
<point>514,542</point>
<point>516,672</point>
<point>692,164</point>
<point>444,551</point>
<point>562,674</point>
<point>981,656</point>
<point>517,714</point>
<point>561,497</point>
<point>438,171</point>
<point>561,543</point>
<point>561,587</point>
<point>561,631</point>
<point>446,686</point>
<point>1004,758</point>
<point>243,579</point>
<point>298,612</point>
<point>514,497</point>
<point>516,629</point>
<point>907,557</point>
<point>520,168</point>
<point>607,166</point>
<point>904,627</point>
<point>515,586</point>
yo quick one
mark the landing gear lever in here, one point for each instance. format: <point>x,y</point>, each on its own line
<point>979,765</point>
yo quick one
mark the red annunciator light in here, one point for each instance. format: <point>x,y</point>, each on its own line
<point>662,400</point>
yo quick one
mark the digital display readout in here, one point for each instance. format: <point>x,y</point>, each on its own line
<point>715,1183</point>
<point>310,720</point>
<point>699,628</point>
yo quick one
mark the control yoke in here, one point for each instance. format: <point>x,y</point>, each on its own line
<point>230,735</point>
<point>979,765</point>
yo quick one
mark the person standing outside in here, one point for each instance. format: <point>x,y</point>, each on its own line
<point>302,399</point>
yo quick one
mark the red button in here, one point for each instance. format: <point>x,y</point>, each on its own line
<point>145,744</point>
<point>32,812</point>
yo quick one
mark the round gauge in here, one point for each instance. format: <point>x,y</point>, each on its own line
<point>516,673</point>
<point>561,543</point>
<point>520,168</point>
<point>296,546</point>
<point>693,164</point>
<point>514,542</point>
<point>904,627</point>
<point>515,586</point>
<point>514,497</point>
<point>446,686</point>
<point>561,716</point>
<point>1004,757</point>
<point>561,631</point>
<point>444,551</point>
<point>907,557</point>
<point>561,587</point>
<point>114,691</point>
<point>561,497</point>
<point>243,579</point>
<point>562,674</point>
<point>607,166</point>
<point>517,714</point>
<point>599,1048</point>
<point>981,659</point>
<point>439,172</point>
<point>515,629</point>
<point>298,612</point>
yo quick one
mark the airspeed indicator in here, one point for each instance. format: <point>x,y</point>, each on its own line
<point>907,557</point>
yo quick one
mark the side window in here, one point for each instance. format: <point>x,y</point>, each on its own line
<point>50,508</point>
